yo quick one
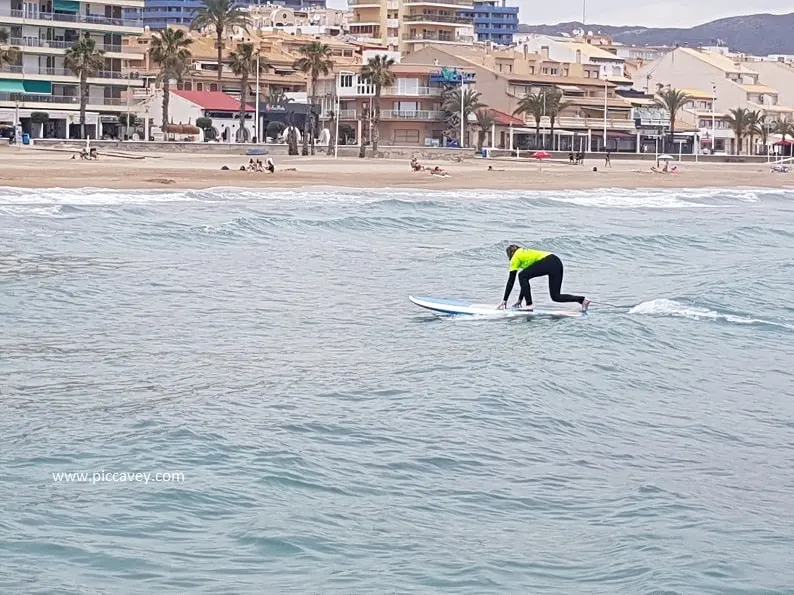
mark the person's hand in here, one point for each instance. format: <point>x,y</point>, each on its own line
<point>502,306</point>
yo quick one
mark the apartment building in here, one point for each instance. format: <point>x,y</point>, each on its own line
<point>580,51</point>
<point>494,21</point>
<point>159,14</point>
<point>721,82</point>
<point>408,25</point>
<point>40,81</point>
<point>503,78</point>
<point>306,21</point>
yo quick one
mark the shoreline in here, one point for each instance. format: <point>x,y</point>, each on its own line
<point>31,169</point>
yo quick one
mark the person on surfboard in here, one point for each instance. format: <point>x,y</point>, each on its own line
<point>536,263</point>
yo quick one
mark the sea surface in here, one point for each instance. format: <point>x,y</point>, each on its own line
<point>318,433</point>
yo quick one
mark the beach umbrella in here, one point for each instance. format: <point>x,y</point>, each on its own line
<point>666,158</point>
<point>540,156</point>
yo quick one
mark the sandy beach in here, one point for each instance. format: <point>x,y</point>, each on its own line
<point>36,168</point>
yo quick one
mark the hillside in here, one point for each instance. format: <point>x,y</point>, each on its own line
<point>759,34</point>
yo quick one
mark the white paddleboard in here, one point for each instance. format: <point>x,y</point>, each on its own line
<point>461,307</point>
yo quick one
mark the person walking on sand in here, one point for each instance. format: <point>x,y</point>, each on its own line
<point>607,160</point>
<point>536,263</point>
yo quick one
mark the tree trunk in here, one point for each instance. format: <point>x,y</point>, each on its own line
<point>362,141</point>
<point>312,99</point>
<point>166,100</point>
<point>376,122</point>
<point>672,129</point>
<point>241,135</point>
<point>537,131</point>
<point>292,138</point>
<point>551,132</point>
<point>83,100</point>
<point>220,57</point>
<point>480,140</point>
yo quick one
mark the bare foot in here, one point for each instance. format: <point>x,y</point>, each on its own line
<point>585,304</point>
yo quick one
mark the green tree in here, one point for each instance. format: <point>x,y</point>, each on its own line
<point>243,63</point>
<point>531,105</point>
<point>752,119</point>
<point>377,72</point>
<point>84,60</point>
<point>169,50</point>
<point>785,128</point>
<point>332,137</point>
<point>673,101</point>
<point>220,15</point>
<point>314,61</point>
<point>452,107</point>
<point>554,106</point>
<point>761,128</point>
<point>485,122</point>
<point>739,120</point>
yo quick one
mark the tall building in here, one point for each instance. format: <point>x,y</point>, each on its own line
<point>39,80</point>
<point>408,25</point>
<point>158,14</point>
<point>494,21</point>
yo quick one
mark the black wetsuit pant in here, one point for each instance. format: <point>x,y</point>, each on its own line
<point>551,265</point>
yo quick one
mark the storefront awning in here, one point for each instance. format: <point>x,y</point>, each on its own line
<point>9,86</point>
<point>37,87</point>
<point>66,6</point>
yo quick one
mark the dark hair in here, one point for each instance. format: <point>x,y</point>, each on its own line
<point>511,249</point>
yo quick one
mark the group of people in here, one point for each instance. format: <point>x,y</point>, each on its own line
<point>268,166</point>
<point>435,171</point>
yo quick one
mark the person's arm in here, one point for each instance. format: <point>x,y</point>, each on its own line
<point>510,282</point>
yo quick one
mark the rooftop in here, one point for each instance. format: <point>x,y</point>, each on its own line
<point>718,61</point>
<point>212,100</point>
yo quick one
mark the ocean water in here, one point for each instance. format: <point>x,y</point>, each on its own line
<point>291,423</point>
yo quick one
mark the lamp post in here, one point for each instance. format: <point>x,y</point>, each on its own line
<point>462,101</point>
<point>605,112</point>
<point>256,109</point>
<point>713,119</point>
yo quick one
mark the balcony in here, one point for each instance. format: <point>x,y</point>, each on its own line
<point>60,72</point>
<point>580,123</point>
<point>34,42</point>
<point>49,17</point>
<point>364,3</point>
<point>70,100</point>
<point>388,114</point>
<point>347,114</point>
<point>436,18</point>
<point>411,92</point>
<point>392,5</point>
<point>458,4</point>
<point>435,37</point>
<point>392,23</point>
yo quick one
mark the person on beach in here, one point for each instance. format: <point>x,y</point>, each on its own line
<point>536,263</point>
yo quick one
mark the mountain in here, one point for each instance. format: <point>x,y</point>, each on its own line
<point>758,34</point>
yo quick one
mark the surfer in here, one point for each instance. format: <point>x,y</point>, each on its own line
<point>536,263</point>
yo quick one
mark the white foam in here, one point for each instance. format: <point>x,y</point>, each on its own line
<point>665,307</point>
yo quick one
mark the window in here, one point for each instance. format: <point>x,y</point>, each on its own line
<point>406,137</point>
<point>346,80</point>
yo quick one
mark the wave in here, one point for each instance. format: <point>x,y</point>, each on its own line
<point>672,308</point>
<point>483,200</point>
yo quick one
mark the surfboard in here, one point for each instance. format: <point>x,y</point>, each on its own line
<point>460,307</point>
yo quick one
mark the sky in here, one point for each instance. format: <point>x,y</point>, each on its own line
<point>647,13</point>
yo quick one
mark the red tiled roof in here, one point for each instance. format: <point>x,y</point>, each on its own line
<point>503,119</point>
<point>213,100</point>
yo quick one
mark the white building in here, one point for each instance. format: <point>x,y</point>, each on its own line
<point>40,81</point>
<point>562,49</point>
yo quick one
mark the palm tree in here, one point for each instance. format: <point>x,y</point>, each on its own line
<point>554,105</point>
<point>485,122</point>
<point>761,128</point>
<point>169,51</point>
<point>243,63</point>
<point>315,61</point>
<point>221,15</point>
<point>8,55</point>
<point>673,101</point>
<point>377,72</point>
<point>740,122</point>
<point>84,60</point>
<point>531,105</point>
<point>752,120</point>
<point>784,128</point>
<point>471,103</point>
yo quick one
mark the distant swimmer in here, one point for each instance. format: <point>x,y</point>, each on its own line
<point>536,263</point>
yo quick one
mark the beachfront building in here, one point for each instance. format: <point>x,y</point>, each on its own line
<point>307,21</point>
<point>408,25</point>
<point>159,14</point>
<point>494,21</point>
<point>186,107</point>
<point>39,81</point>
<point>503,77</point>
<point>718,83</point>
<point>579,51</point>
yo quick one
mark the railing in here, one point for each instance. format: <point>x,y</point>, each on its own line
<point>469,4</point>
<point>411,92</point>
<point>70,99</point>
<point>72,18</point>
<point>53,71</point>
<point>411,115</point>
<point>59,45</point>
<point>364,2</point>
<point>347,114</point>
<point>392,5</point>
<point>576,122</point>
<point>436,18</point>
<point>392,23</point>
<point>436,37</point>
